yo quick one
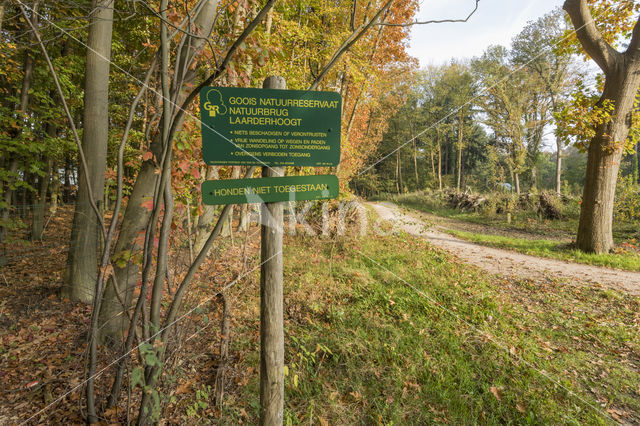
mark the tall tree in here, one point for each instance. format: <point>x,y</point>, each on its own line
<point>622,79</point>
<point>505,93</point>
<point>457,90</point>
<point>535,48</point>
<point>82,261</point>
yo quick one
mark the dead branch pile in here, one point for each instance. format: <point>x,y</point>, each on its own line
<point>550,205</point>
<point>464,200</point>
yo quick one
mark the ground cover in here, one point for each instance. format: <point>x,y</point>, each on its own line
<point>382,329</point>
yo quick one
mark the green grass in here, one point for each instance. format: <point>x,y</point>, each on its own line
<point>363,347</point>
<point>552,249</point>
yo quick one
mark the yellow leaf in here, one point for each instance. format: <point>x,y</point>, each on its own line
<point>496,392</point>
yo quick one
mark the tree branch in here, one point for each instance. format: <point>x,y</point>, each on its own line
<point>590,38</point>
<point>434,21</point>
<point>634,45</point>
<point>223,66</point>
<point>346,45</point>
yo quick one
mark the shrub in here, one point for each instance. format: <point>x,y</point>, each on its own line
<point>627,204</point>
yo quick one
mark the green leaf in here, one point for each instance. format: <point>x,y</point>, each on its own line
<point>137,377</point>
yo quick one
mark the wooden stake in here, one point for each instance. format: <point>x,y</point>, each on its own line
<point>271,300</point>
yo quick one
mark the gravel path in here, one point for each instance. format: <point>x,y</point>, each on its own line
<point>510,263</point>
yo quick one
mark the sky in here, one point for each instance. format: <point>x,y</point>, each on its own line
<point>495,22</point>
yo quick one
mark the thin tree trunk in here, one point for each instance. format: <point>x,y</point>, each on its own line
<point>82,260</point>
<point>8,197</point>
<point>2,8</point>
<point>28,64</point>
<point>534,177</point>
<point>66,189</point>
<point>439,160</point>
<point>460,129</point>
<point>37,223</point>
<point>55,188</point>
<point>516,179</point>
<point>136,216</point>
<point>205,220</point>
<point>226,230</point>
<point>559,166</point>
<point>433,164</point>
<point>634,160</point>
<point>400,173</point>
<point>415,164</point>
<point>397,173</point>
<point>446,159</point>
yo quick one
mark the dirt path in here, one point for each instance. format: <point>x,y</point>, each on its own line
<point>504,262</point>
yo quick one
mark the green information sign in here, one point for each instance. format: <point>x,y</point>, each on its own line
<point>269,190</point>
<point>243,126</point>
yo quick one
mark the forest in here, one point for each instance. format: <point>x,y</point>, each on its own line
<point>125,299</point>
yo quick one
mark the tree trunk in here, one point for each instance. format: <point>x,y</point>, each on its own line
<point>433,164</point>
<point>397,174</point>
<point>559,166</point>
<point>401,183</point>
<point>439,161</point>
<point>226,229</point>
<point>446,159</point>
<point>204,223</point>
<point>460,129</point>
<point>2,8</point>
<point>55,188</point>
<point>37,224</point>
<point>8,196</point>
<point>66,188</point>
<point>516,179</point>
<point>534,177</point>
<point>605,148</point>
<point>595,230</point>
<point>415,164</point>
<point>28,64</point>
<point>635,165</point>
<point>81,273</point>
<point>136,216</point>
<point>5,214</point>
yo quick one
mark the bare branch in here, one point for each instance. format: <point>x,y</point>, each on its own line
<point>434,21</point>
<point>346,45</point>
<point>634,45</point>
<point>222,67</point>
<point>177,300</point>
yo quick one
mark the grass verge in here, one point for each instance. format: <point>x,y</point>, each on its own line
<point>550,236</point>
<point>552,249</point>
<point>388,330</point>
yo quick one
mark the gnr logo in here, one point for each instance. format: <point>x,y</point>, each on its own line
<point>214,103</point>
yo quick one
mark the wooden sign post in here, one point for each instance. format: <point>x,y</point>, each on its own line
<point>271,299</point>
<point>273,127</point>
